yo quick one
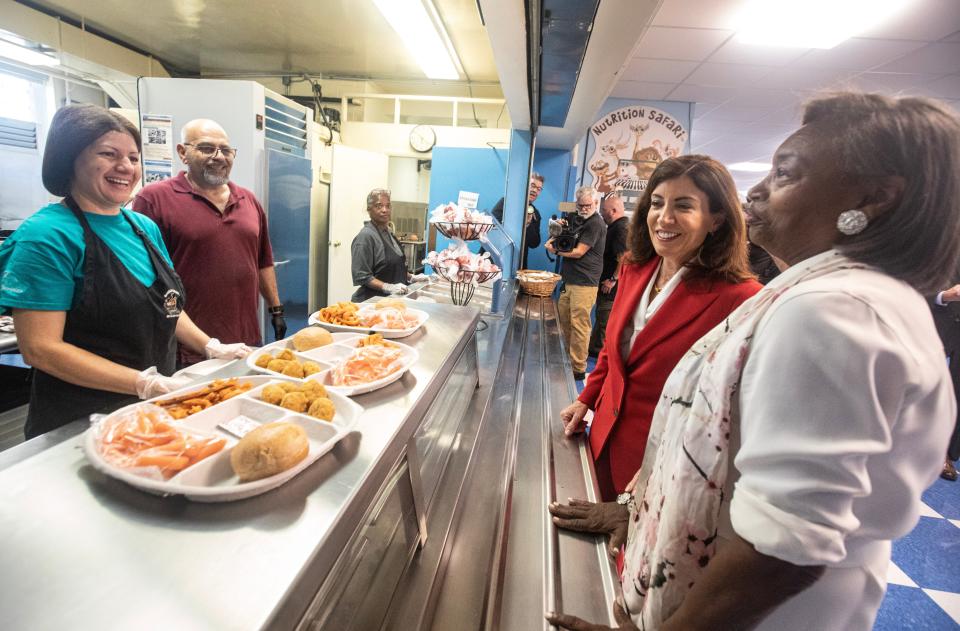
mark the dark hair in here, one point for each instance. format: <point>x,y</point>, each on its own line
<point>723,255</point>
<point>73,129</point>
<point>874,136</point>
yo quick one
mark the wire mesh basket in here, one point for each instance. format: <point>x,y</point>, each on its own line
<point>463,282</point>
<point>462,230</point>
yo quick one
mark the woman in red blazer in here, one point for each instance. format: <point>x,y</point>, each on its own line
<point>685,271</point>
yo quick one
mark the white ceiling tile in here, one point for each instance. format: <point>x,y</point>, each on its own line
<point>946,87</point>
<point>728,75</point>
<point>924,20</point>
<point>955,37</point>
<point>736,52</point>
<point>787,116</point>
<point>796,77</point>
<point>742,113</point>
<point>696,13</point>
<point>759,97</point>
<point>692,44</point>
<point>702,93</point>
<point>859,54</point>
<point>700,137</point>
<point>701,108</point>
<point>890,82</point>
<point>938,58</point>
<point>641,90</point>
<point>658,70</point>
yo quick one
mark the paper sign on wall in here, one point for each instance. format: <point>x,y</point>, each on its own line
<point>466,199</point>
<point>157,133</point>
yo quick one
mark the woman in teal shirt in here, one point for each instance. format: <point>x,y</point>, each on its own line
<point>96,304</point>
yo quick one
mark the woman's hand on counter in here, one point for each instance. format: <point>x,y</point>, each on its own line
<point>573,417</point>
<point>603,518</point>
<point>563,621</point>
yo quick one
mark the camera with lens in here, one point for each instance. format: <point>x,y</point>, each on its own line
<point>565,231</point>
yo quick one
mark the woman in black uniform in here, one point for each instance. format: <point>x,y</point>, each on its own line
<point>378,266</point>
<point>96,304</point>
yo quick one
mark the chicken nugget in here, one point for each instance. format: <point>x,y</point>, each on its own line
<point>323,409</point>
<point>272,394</point>
<point>314,388</point>
<point>286,354</point>
<point>310,368</point>
<point>289,386</point>
<point>295,401</point>
<point>263,360</point>
<point>277,365</point>
<point>293,369</point>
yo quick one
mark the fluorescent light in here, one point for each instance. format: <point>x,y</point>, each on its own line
<point>26,55</point>
<point>752,167</point>
<point>421,36</point>
<point>812,23</point>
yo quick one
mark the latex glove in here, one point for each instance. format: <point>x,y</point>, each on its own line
<point>395,288</point>
<point>419,278</point>
<point>572,418</point>
<point>215,349</point>
<point>151,384</point>
<point>279,326</point>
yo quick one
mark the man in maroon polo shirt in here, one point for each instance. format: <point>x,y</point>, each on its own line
<point>217,236</point>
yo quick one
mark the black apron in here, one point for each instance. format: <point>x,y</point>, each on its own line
<point>394,270</point>
<point>116,318</point>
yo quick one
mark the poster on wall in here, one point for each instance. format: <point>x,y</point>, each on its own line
<point>157,134</point>
<point>628,144</point>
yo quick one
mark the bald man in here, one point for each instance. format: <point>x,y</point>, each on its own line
<point>614,216</point>
<point>217,236</point>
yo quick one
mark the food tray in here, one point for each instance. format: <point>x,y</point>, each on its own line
<point>287,344</point>
<point>333,354</point>
<point>213,479</point>
<point>422,317</point>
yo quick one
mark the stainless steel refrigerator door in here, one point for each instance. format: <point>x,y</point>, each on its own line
<point>289,180</point>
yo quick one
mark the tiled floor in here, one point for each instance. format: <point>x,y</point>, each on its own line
<point>923,592</point>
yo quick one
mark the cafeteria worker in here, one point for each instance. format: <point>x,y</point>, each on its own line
<point>96,304</point>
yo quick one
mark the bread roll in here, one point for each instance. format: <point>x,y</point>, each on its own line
<point>268,450</point>
<point>311,337</point>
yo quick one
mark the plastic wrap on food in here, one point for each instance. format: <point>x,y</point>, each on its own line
<point>367,364</point>
<point>149,442</point>
<point>387,317</point>
<point>452,213</point>
<point>458,264</point>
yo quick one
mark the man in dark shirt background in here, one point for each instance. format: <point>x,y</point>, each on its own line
<point>531,217</point>
<point>616,244</point>
<point>580,269</point>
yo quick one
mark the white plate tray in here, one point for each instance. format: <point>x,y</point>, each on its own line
<point>213,479</point>
<point>422,317</point>
<point>287,344</point>
<point>333,354</point>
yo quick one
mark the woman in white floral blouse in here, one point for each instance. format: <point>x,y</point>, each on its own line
<point>792,443</point>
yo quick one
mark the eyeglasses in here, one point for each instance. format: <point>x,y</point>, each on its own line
<point>584,206</point>
<point>208,151</point>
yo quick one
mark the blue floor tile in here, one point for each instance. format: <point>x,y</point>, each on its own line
<point>910,608</point>
<point>930,555</point>
<point>944,497</point>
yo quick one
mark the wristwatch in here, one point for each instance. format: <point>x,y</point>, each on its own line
<point>277,310</point>
<point>625,499</point>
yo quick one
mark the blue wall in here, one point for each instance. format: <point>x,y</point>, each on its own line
<point>554,165</point>
<point>456,169</point>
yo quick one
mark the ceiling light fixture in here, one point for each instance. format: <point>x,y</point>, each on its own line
<point>25,55</point>
<point>812,23</point>
<point>423,35</point>
<point>751,167</point>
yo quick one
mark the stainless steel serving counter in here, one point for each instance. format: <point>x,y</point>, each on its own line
<point>80,550</point>
<point>8,342</point>
<point>431,515</point>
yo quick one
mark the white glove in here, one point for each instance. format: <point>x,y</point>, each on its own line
<point>395,288</point>
<point>151,384</point>
<point>419,278</point>
<point>216,350</point>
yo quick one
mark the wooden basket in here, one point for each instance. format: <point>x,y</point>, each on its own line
<point>537,283</point>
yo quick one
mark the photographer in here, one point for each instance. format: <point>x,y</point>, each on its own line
<point>581,267</point>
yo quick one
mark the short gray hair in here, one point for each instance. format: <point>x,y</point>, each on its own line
<point>918,139</point>
<point>583,191</point>
<point>376,194</point>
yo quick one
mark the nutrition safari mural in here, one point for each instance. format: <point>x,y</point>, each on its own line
<point>628,144</point>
